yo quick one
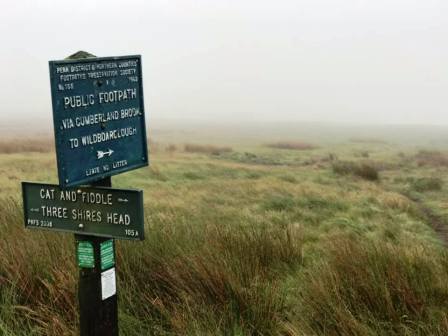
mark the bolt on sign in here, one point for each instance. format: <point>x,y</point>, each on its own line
<point>99,119</point>
<point>102,212</point>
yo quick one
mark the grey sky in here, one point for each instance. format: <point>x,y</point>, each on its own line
<point>381,61</point>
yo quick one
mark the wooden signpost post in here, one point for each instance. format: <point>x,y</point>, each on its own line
<point>100,131</point>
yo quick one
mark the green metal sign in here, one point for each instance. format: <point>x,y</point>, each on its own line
<point>103,212</point>
<point>107,254</point>
<point>85,255</point>
<point>99,118</point>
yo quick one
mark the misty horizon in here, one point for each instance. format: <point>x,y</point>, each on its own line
<point>347,62</point>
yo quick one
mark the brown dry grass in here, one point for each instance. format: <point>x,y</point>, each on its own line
<point>44,291</point>
<point>364,170</point>
<point>171,148</point>
<point>292,145</point>
<point>26,145</point>
<point>375,281</point>
<point>206,149</point>
<point>431,158</point>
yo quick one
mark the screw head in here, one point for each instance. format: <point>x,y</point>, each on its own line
<point>81,226</point>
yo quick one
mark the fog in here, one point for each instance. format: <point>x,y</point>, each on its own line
<point>359,61</point>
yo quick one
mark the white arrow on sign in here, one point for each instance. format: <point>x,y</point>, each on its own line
<point>34,210</point>
<point>123,200</point>
<point>101,154</point>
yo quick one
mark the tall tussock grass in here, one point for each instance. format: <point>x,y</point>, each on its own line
<point>364,170</point>
<point>200,278</point>
<point>375,288</point>
<point>37,277</point>
<point>242,277</point>
<point>221,279</point>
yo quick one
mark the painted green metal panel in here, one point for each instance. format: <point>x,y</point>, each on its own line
<point>85,254</point>
<point>107,254</point>
<point>99,118</point>
<point>103,212</point>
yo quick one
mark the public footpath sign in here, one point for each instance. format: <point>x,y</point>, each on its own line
<point>102,212</point>
<point>99,119</point>
<point>99,126</point>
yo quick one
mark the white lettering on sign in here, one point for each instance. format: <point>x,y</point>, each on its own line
<point>62,69</point>
<point>54,211</point>
<point>72,77</point>
<point>47,194</point>
<point>68,195</point>
<point>86,215</point>
<point>118,164</point>
<point>86,197</point>
<point>131,233</point>
<point>34,222</point>
<point>129,113</point>
<point>128,72</point>
<point>117,95</point>
<point>103,98</point>
<point>79,101</point>
<point>96,198</point>
<point>106,167</point>
<point>102,74</point>
<point>40,223</point>
<point>118,219</point>
<point>127,64</point>
<point>80,67</point>
<point>92,171</point>
<point>97,118</point>
<point>67,123</point>
<point>76,72</point>
<point>116,134</point>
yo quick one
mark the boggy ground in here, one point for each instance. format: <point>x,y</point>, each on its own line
<point>264,237</point>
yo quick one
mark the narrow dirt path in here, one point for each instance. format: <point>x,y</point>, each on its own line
<point>437,222</point>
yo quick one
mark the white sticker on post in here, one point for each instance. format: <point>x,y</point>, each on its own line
<point>108,284</point>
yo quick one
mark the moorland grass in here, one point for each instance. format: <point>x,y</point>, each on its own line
<point>423,184</point>
<point>20,145</point>
<point>240,248</point>
<point>434,158</point>
<point>364,170</point>
<point>206,149</point>
<point>292,145</point>
<point>375,288</point>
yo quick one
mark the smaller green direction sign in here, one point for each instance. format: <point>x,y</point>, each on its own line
<point>107,254</point>
<point>102,212</point>
<point>85,254</point>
